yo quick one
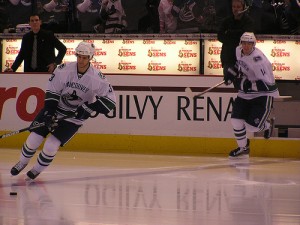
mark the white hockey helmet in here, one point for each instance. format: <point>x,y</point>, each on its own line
<point>248,37</point>
<point>85,48</point>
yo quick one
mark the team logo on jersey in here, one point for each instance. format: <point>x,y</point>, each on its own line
<point>71,100</point>
<point>257,58</point>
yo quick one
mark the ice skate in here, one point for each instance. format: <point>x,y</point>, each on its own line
<point>17,168</point>
<point>32,174</point>
<point>268,133</point>
<point>240,152</point>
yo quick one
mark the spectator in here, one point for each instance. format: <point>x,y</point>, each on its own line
<point>256,13</point>
<point>209,17</point>
<point>54,14</point>
<point>113,17</point>
<point>230,31</point>
<point>293,16</point>
<point>254,80</point>
<point>167,22</point>
<point>188,15</point>
<point>40,57</point>
<point>75,88</point>
<point>18,12</point>
<point>223,10</point>
<point>265,18</point>
<point>282,9</point>
<point>150,22</point>
<point>88,14</point>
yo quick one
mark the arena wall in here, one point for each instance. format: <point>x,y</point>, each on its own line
<point>154,115</point>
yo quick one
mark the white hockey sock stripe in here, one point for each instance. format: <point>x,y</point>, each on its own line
<point>240,134</point>
<point>27,152</point>
<point>44,159</point>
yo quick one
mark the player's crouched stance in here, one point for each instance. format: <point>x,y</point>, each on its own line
<point>77,89</point>
<point>253,77</point>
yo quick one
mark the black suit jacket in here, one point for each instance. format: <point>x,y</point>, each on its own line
<point>46,45</point>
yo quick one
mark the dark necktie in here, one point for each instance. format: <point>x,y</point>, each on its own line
<point>34,53</point>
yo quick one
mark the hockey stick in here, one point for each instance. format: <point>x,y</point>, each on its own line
<point>190,92</point>
<point>21,130</point>
<point>30,128</point>
<point>37,125</point>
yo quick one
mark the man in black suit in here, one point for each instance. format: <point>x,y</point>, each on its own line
<point>46,43</point>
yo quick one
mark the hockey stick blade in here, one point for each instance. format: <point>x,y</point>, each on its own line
<point>189,91</point>
<point>13,133</point>
<point>22,130</point>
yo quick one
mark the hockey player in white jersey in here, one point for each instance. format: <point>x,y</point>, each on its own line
<point>253,77</point>
<point>75,88</point>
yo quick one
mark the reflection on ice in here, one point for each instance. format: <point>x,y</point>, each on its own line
<point>187,191</point>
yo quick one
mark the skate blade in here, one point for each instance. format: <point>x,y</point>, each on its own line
<point>29,180</point>
<point>239,157</point>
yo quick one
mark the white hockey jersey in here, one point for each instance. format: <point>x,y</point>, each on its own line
<point>258,69</point>
<point>73,89</point>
